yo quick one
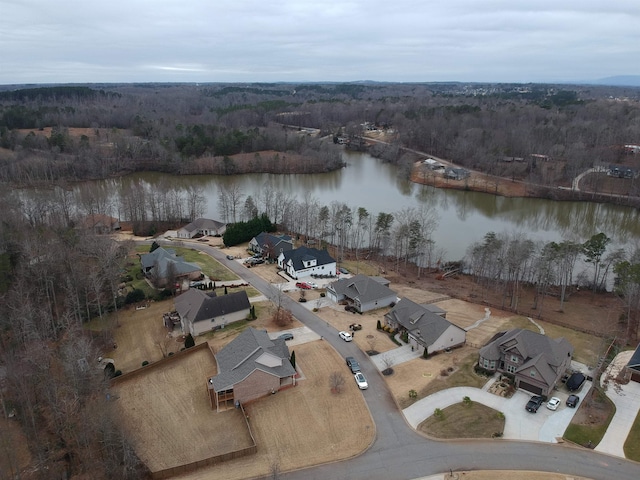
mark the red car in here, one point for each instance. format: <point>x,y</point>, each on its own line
<point>303,285</point>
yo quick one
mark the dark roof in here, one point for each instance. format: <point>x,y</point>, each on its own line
<point>165,257</point>
<point>364,289</point>
<point>539,351</point>
<point>634,361</point>
<point>202,224</point>
<point>196,305</point>
<point>251,350</point>
<point>426,326</point>
<point>296,256</point>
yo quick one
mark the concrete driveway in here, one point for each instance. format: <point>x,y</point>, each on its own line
<point>300,335</point>
<point>543,426</point>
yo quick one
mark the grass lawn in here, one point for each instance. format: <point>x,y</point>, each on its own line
<point>632,445</point>
<point>464,376</point>
<point>464,421</point>
<point>592,419</point>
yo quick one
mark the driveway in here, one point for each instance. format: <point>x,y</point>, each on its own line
<point>300,335</point>
<point>543,426</point>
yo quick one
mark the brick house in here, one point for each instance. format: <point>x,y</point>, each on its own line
<point>250,367</point>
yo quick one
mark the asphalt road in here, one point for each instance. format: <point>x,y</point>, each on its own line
<point>398,452</point>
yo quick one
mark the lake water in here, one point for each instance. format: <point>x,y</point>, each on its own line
<point>464,217</point>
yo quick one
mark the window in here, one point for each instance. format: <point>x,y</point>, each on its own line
<point>492,365</point>
<point>532,373</point>
<point>514,359</point>
<point>511,368</point>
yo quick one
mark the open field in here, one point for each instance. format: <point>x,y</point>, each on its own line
<point>167,415</point>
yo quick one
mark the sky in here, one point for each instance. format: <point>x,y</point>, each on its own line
<point>73,41</point>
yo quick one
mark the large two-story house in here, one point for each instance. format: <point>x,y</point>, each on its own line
<point>304,262</point>
<point>269,245</point>
<point>536,361</point>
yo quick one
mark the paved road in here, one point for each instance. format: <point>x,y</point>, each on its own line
<point>398,452</point>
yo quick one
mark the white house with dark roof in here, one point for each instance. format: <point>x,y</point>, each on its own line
<point>202,312</point>
<point>536,361</point>
<point>202,226</point>
<point>269,245</point>
<point>425,328</point>
<point>249,367</point>
<point>163,262</point>
<point>304,262</point>
<point>362,292</point>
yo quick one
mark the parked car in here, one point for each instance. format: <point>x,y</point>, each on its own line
<point>312,285</point>
<point>572,401</point>
<point>346,336</point>
<point>553,403</point>
<point>286,336</point>
<point>355,327</point>
<point>575,381</point>
<point>303,285</point>
<point>353,364</point>
<point>343,270</point>
<point>230,257</point>
<point>361,381</point>
<point>534,404</point>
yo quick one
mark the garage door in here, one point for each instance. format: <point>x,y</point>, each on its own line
<point>530,388</point>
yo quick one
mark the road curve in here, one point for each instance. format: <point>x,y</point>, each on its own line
<point>399,452</point>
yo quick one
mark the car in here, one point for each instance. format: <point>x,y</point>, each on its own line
<point>353,364</point>
<point>286,336</point>
<point>312,285</point>
<point>343,270</point>
<point>572,401</point>
<point>230,257</point>
<point>346,336</point>
<point>534,404</point>
<point>575,381</point>
<point>361,381</point>
<point>553,403</point>
<point>303,285</point>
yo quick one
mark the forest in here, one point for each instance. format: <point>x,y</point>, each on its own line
<point>50,134</point>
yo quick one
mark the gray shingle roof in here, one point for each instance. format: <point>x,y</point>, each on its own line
<point>529,345</point>
<point>243,355</point>
<point>361,287</point>
<point>163,258</point>
<point>196,305</point>
<point>634,361</point>
<point>202,224</point>
<point>419,321</point>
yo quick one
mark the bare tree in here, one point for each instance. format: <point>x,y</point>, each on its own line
<point>336,381</point>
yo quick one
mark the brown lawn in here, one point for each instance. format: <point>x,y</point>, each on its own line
<point>167,415</point>
<point>464,421</point>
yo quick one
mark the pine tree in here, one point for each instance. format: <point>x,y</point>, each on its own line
<point>189,341</point>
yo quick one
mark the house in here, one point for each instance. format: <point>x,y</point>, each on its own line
<point>249,367</point>
<point>304,262</point>
<point>202,312</point>
<point>164,263</point>
<point>621,171</point>
<point>270,245</point>
<point>536,361</point>
<point>362,292</point>
<point>633,367</point>
<point>456,173</point>
<point>203,227</point>
<point>425,329</point>
<point>100,223</point>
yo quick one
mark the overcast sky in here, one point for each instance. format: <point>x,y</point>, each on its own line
<point>60,41</point>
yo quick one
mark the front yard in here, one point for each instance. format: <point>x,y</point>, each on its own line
<point>471,420</point>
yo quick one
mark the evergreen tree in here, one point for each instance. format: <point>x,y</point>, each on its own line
<point>292,359</point>
<point>189,341</point>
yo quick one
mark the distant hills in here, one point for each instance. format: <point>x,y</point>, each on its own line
<point>620,81</point>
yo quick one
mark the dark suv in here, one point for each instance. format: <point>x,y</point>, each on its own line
<point>353,364</point>
<point>572,401</point>
<point>534,404</point>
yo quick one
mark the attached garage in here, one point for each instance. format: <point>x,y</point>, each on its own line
<point>530,388</point>
<point>633,367</point>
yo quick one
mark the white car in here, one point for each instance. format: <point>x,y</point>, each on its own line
<point>553,403</point>
<point>346,336</point>
<point>361,381</point>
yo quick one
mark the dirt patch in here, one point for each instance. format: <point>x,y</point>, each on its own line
<point>594,410</point>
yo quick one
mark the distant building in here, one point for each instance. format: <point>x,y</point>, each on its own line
<point>163,263</point>
<point>204,227</point>
<point>269,245</point>
<point>456,173</point>
<point>100,223</point>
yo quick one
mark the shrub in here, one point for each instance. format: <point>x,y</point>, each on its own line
<point>379,325</point>
<point>170,354</point>
<point>466,401</point>
<point>145,363</point>
<point>118,373</point>
<point>134,296</point>
<point>425,354</point>
<point>189,341</point>
<point>444,372</point>
<point>439,414</point>
<point>413,394</point>
<point>322,294</point>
